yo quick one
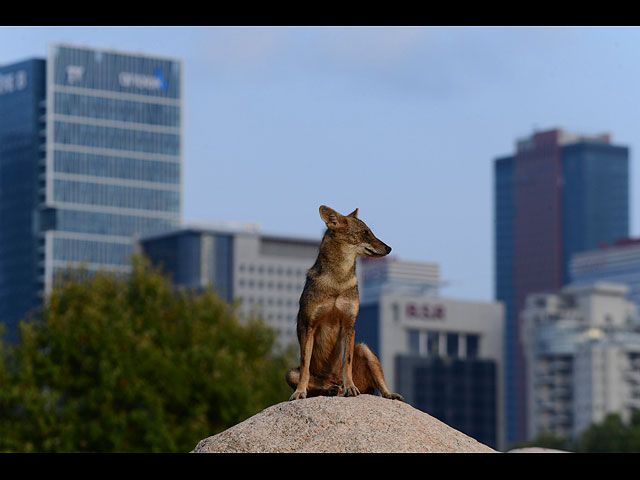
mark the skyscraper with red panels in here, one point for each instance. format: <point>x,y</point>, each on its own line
<point>559,194</point>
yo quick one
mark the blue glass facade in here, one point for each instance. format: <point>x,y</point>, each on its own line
<point>504,279</point>
<point>91,153</point>
<point>113,155</point>
<point>616,263</point>
<point>594,197</point>
<point>194,259</point>
<point>558,195</point>
<point>367,327</point>
<point>22,93</point>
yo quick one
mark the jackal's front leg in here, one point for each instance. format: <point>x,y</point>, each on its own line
<point>306,349</point>
<point>348,387</point>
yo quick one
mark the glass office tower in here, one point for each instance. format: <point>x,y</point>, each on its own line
<point>504,276</point>
<point>107,162</point>
<point>558,195</point>
<point>22,108</point>
<point>595,198</point>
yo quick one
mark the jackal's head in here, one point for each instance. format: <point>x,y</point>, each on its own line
<point>354,233</point>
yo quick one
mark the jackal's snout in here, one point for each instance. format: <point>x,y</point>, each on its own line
<point>377,248</point>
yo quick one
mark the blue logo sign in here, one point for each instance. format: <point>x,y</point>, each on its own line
<point>161,79</point>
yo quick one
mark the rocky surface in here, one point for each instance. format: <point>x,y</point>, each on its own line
<point>366,423</point>
<point>536,450</point>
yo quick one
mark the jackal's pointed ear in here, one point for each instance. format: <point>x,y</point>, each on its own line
<point>332,218</point>
<point>353,214</point>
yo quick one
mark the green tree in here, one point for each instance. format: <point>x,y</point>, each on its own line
<point>130,364</point>
<point>611,435</point>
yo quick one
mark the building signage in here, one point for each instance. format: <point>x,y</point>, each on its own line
<point>75,74</point>
<point>13,81</point>
<point>425,311</point>
<point>144,82</point>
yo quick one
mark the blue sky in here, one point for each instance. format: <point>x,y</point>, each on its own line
<point>401,122</point>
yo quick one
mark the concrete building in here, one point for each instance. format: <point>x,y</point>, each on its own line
<point>582,346</point>
<point>90,157</point>
<point>557,195</point>
<point>265,272</point>
<point>445,356</point>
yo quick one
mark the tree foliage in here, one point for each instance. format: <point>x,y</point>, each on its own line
<point>129,364</point>
<point>611,435</point>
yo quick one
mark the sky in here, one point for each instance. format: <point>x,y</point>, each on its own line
<point>403,123</point>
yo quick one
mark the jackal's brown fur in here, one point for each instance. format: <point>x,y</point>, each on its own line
<point>330,363</point>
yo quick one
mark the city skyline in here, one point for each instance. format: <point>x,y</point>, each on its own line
<point>557,195</point>
<point>403,123</point>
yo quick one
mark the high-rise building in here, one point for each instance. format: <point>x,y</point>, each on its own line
<point>22,123</point>
<point>583,357</point>
<point>265,272</point>
<point>558,195</point>
<point>444,356</point>
<point>90,158</point>
<point>617,262</point>
<point>386,274</point>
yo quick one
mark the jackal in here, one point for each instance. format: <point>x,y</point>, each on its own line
<point>330,363</point>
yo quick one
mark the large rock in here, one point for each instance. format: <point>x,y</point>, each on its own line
<point>366,423</point>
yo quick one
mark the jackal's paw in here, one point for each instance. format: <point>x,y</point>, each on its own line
<point>333,391</point>
<point>393,396</point>
<point>298,395</point>
<point>351,391</point>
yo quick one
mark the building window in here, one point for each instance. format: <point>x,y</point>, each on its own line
<point>413,337</point>
<point>473,346</point>
<point>395,308</point>
<point>433,341</point>
<point>452,345</point>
